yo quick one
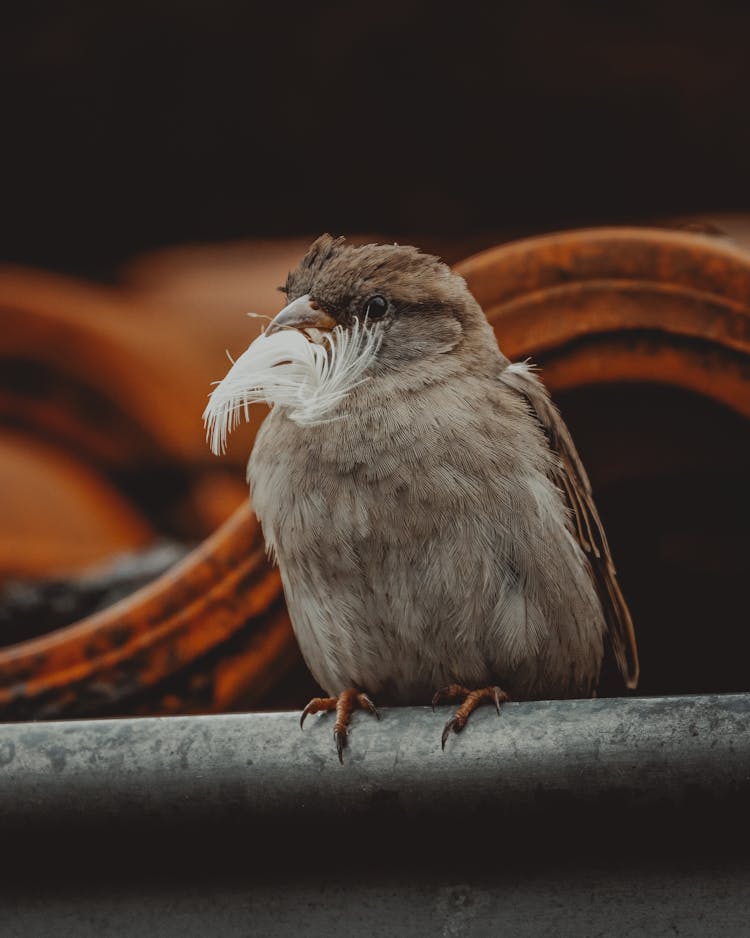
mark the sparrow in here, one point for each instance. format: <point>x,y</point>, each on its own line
<point>432,522</point>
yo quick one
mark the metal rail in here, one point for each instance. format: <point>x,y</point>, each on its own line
<point>253,766</point>
<point>580,818</point>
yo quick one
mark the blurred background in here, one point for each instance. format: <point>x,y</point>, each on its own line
<point>133,127</point>
<point>166,164</point>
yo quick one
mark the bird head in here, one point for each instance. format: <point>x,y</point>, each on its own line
<point>422,309</point>
<point>361,323</point>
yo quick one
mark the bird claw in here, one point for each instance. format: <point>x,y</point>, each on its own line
<point>344,705</point>
<point>472,699</point>
<point>316,705</point>
<point>305,713</point>
<point>453,724</point>
<point>449,692</point>
<point>366,704</point>
<point>341,738</point>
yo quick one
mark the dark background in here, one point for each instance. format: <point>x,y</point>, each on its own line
<point>131,126</point>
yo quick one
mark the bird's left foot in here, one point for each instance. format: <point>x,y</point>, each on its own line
<point>471,700</point>
<point>344,705</point>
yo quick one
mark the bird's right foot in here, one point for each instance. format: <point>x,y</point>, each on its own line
<point>471,700</point>
<point>344,705</point>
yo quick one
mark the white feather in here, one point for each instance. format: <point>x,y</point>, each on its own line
<point>286,369</point>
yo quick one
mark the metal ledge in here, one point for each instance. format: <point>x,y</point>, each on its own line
<point>565,818</point>
<point>640,752</point>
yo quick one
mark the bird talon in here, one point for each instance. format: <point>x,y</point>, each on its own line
<point>366,704</point>
<point>340,738</point>
<point>453,724</point>
<point>449,692</point>
<point>315,706</point>
<point>472,699</point>
<point>344,704</point>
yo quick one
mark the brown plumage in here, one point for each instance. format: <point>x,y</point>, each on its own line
<point>436,528</point>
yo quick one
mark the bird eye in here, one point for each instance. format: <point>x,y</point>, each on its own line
<point>376,307</point>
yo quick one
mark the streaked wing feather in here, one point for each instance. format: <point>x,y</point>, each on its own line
<point>587,526</point>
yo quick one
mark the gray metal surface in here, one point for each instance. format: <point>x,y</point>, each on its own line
<point>581,818</point>
<point>262,765</point>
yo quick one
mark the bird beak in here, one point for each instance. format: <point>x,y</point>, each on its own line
<point>302,313</point>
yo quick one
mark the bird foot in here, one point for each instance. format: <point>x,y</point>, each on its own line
<point>471,700</point>
<point>344,705</point>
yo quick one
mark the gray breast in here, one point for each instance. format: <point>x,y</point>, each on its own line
<point>411,559</point>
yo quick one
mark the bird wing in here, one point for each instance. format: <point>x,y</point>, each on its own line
<point>570,475</point>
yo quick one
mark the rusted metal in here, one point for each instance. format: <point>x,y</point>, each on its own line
<point>623,304</point>
<point>114,354</point>
<point>110,383</point>
<point>223,587</point>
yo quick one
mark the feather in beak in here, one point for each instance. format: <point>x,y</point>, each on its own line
<point>283,367</point>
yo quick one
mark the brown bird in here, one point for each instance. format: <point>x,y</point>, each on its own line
<point>433,524</point>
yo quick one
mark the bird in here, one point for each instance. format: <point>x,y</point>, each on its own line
<point>432,521</point>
